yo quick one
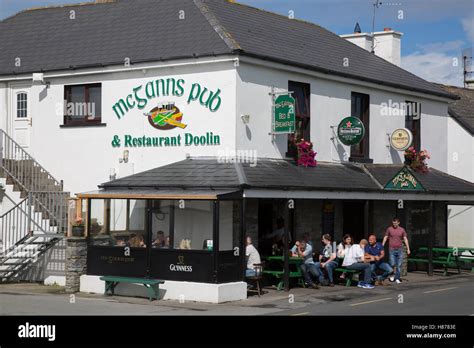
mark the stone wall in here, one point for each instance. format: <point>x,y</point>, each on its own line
<point>76,262</point>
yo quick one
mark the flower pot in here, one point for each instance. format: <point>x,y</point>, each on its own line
<point>77,231</point>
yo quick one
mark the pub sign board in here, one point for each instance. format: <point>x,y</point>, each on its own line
<point>404,180</point>
<point>350,131</point>
<point>284,114</point>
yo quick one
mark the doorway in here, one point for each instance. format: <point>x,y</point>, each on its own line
<point>353,219</point>
<point>20,115</point>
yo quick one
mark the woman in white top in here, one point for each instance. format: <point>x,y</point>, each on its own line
<point>342,248</point>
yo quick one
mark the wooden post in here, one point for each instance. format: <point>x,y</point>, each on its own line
<point>431,237</point>
<point>286,257</point>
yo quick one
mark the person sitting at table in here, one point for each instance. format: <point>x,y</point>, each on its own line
<point>355,259</point>
<point>159,242</point>
<point>137,241</point>
<point>253,257</point>
<point>294,250</point>
<point>342,249</point>
<point>375,252</point>
<point>327,261</point>
<point>305,251</point>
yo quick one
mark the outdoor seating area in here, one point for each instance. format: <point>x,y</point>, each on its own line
<point>448,258</point>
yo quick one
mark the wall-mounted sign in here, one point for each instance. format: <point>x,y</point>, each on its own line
<point>141,95</point>
<point>401,139</point>
<point>284,114</point>
<point>350,131</point>
<point>180,266</point>
<point>404,181</point>
<point>165,116</point>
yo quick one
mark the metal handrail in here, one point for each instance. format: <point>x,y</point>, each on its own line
<point>7,145</point>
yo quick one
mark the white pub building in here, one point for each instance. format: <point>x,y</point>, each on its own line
<point>159,116</point>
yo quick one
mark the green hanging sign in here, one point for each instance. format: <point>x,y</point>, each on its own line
<point>404,181</point>
<point>284,114</point>
<point>350,131</point>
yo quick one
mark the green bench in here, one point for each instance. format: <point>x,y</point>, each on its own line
<point>446,257</point>
<point>348,272</point>
<point>279,275</point>
<point>152,285</point>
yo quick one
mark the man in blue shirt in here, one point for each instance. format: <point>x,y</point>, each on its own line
<point>374,251</point>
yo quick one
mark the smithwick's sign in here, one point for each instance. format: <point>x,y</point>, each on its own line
<point>166,116</point>
<point>180,266</point>
<point>405,181</point>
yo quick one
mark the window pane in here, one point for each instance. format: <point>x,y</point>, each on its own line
<point>229,228</point>
<point>160,223</point>
<point>137,215</point>
<point>76,104</point>
<point>97,226</point>
<point>193,226</point>
<point>95,103</point>
<point>21,105</point>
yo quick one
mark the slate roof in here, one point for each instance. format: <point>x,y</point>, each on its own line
<point>151,30</point>
<point>462,110</point>
<point>208,173</point>
<point>434,181</point>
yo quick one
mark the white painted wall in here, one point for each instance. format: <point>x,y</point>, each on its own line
<point>330,103</point>
<point>83,157</point>
<point>460,161</point>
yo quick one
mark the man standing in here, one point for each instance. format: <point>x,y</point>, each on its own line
<point>396,235</point>
<point>354,259</point>
<point>375,252</point>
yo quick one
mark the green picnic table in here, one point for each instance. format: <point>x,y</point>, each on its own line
<point>448,257</point>
<point>277,269</point>
<point>152,285</point>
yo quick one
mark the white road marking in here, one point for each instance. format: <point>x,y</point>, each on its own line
<point>379,300</point>
<point>431,291</point>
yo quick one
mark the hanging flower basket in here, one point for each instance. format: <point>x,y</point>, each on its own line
<point>78,228</point>
<point>305,155</point>
<point>417,160</point>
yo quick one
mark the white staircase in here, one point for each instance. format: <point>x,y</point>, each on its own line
<point>39,218</point>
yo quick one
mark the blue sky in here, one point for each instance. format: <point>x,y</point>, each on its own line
<point>435,31</point>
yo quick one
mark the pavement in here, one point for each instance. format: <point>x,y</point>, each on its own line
<point>418,294</point>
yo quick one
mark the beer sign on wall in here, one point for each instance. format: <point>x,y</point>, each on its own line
<point>154,101</point>
<point>350,131</point>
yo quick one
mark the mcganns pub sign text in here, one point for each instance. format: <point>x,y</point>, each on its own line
<point>166,115</point>
<point>142,94</point>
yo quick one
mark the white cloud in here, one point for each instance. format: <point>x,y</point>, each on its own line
<point>435,67</point>
<point>442,47</point>
<point>468,26</point>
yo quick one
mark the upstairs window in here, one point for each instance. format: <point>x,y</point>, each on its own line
<point>413,122</point>
<point>83,105</point>
<point>22,105</point>
<point>302,94</point>
<point>360,108</point>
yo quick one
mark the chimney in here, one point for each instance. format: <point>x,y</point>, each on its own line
<point>387,43</point>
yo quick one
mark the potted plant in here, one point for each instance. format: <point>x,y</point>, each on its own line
<point>78,227</point>
<point>305,155</point>
<point>416,160</point>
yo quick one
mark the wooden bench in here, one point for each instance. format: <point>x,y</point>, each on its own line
<point>152,285</point>
<point>348,272</point>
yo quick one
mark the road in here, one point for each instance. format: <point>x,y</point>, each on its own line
<point>444,296</point>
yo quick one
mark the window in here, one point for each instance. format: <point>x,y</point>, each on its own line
<point>229,222</point>
<point>302,95</point>
<point>413,121</point>
<point>360,105</point>
<point>22,105</point>
<point>193,225</point>
<point>118,222</point>
<point>83,105</point>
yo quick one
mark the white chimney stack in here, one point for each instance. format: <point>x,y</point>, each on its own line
<point>387,43</point>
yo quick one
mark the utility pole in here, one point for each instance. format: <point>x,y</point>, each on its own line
<point>377,4</point>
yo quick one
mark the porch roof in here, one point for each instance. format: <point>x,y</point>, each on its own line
<point>209,177</point>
